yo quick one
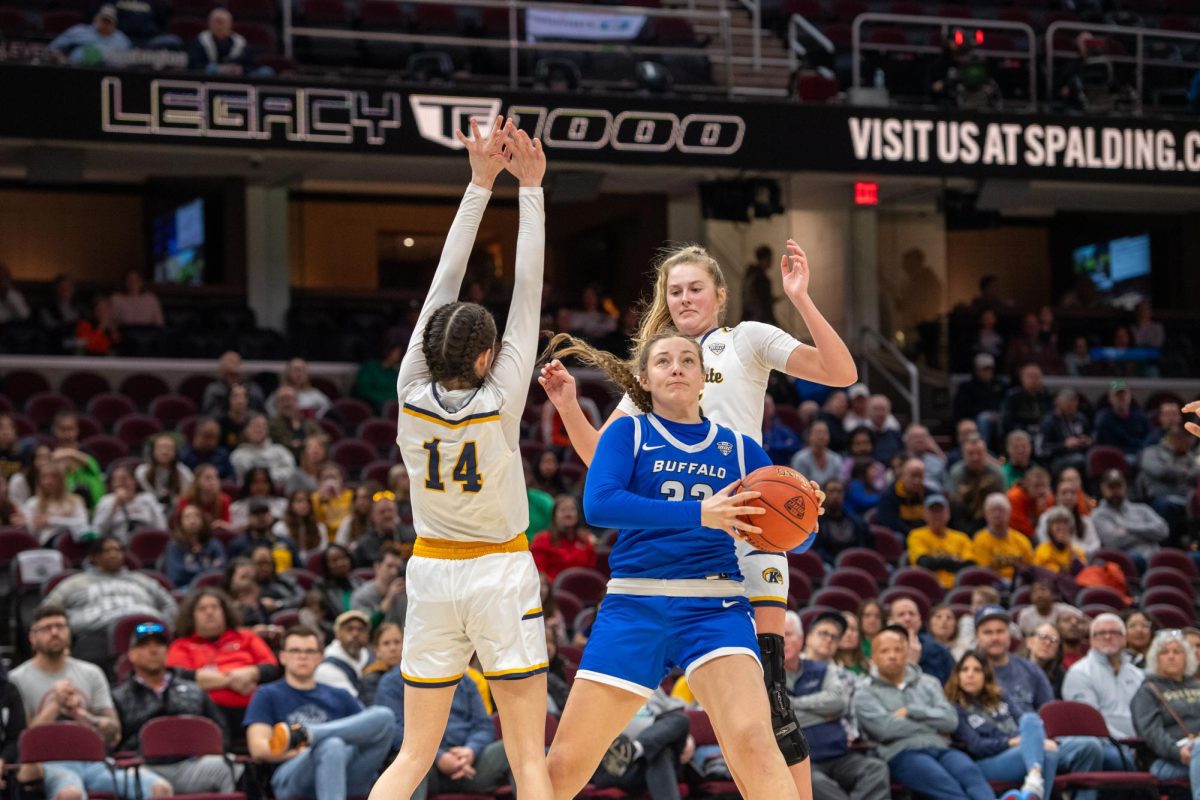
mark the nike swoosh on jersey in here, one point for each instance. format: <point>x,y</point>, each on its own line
<point>655,447</point>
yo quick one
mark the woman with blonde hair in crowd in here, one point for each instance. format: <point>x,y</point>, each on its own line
<point>163,475</point>
<point>300,524</point>
<point>358,520</point>
<point>52,508</point>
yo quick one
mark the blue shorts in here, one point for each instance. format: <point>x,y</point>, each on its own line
<point>637,640</point>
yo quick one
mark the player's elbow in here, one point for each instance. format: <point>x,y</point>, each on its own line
<point>845,374</point>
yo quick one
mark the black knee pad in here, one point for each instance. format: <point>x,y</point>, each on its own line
<point>791,740</point>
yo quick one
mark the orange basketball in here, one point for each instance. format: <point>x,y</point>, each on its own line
<point>792,508</point>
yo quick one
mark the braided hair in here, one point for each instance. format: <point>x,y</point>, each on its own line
<point>454,337</point>
<point>621,372</point>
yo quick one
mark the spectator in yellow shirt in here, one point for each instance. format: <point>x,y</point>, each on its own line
<point>938,547</point>
<point>999,546</point>
<point>332,501</point>
<point>1059,553</point>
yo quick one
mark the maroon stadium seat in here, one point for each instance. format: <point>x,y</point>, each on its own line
<point>377,471</point>
<point>256,10</point>
<point>1171,557</point>
<point>587,584</point>
<point>43,407</point>
<point>922,580</point>
<point>1172,616</point>
<point>259,36</point>
<point>568,604</point>
<point>810,564</point>
<point>135,429</point>
<point>352,455</point>
<point>867,560</point>
<point>809,614</point>
<point>1168,576</point>
<point>83,386</point>
<point>978,576</point>
<point>1063,718</point>
<point>50,741</point>
<point>169,409</point>
<point>104,448</point>
<point>193,386</point>
<point>888,544</point>
<point>379,432</point>
<point>853,579</point>
<point>351,411</point>
<point>143,387</point>
<point>175,737</point>
<point>435,19</point>
<point>835,597</point>
<point>109,407</point>
<point>1168,595</point>
<point>799,588</point>
<point>702,731</point>
<point>13,22</point>
<point>1101,595</point>
<point>21,384</point>
<point>149,545</point>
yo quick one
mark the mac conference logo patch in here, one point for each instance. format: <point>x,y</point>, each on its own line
<point>772,575</point>
<point>725,447</point>
<point>795,506</point>
<point>716,348</point>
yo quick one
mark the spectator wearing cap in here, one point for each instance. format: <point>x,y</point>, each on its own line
<point>104,592</point>
<point>155,690</point>
<point>1122,424</point>
<point>226,660</point>
<point>1065,434</point>
<point>1027,404</point>
<point>56,686</point>
<point>1059,553</point>
<point>383,598</point>
<point>1166,708</point>
<point>375,381</point>
<point>348,654</point>
<point>840,528</point>
<point>937,546</point>
<point>817,461</point>
<point>979,397</point>
<point>229,374</point>
<point>856,417</point>
<point>92,44</point>
<point>970,481</point>
<point>1125,525</point>
<point>822,695</point>
<point>260,531</point>
<point>925,651</point>
<point>902,504</point>
<point>1169,472</point>
<point>218,50</point>
<point>1107,680</point>
<point>1026,687</point>
<point>326,746</point>
<point>998,546</point>
<point>908,714</point>
<point>469,759</point>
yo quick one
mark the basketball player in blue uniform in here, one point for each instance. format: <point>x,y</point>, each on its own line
<point>667,479</point>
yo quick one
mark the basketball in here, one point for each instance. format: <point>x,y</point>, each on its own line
<point>791,504</point>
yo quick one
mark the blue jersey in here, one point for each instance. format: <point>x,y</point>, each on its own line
<point>648,478</point>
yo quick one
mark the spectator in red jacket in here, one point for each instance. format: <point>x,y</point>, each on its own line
<point>229,662</point>
<point>565,543</point>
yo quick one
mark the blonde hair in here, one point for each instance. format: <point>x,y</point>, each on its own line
<point>656,316</point>
<point>624,373</point>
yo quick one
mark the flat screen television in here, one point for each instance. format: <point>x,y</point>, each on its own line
<point>178,244</point>
<point>1118,268</point>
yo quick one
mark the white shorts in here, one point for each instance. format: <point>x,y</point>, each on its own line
<point>765,576</point>
<point>490,605</point>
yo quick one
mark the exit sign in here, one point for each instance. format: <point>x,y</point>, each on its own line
<point>866,193</point>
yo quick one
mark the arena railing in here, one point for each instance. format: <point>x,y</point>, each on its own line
<point>1139,59</point>
<point>797,52</point>
<point>875,347</point>
<point>515,46</point>
<point>945,25</point>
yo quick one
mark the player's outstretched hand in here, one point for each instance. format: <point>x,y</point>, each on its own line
<point>1192,408</point>
<point>488,153</point>
<point>724,511</point>
<point>794,266</point>
<point>816,487</point>
<point>558,383</point>
<point>527,162</point>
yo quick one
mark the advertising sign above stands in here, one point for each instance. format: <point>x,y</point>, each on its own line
<point>134,107</point>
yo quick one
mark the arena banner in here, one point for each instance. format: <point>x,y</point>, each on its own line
<point>552,23</point>
<point>62,104</point>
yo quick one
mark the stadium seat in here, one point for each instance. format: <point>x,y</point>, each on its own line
<point>160,577</point>
<point>332,429</point>
<point>587,584</point>
<point>1168,576</point>
<point>799,588</point>
<point>1177,22</point>
<point>169,409</point>
<point>378,432</point>
<point>88,426</point>
<point>25,426</point>
<point>1168,595</point>
<point>48,742</point>
<point>1121,559</point>
<point>104,448</point>
<point>351,411</point>
<point>255,10</point>
<point>259,36</point>
<point>810,564</point>
<point>1101,595</point>
<point>853,579</point>
<point>888,36</point>
<point>1172,616</point>
<point>865,559</point>
<point>192,386</point>
<point>377,471</point>
<point>83,386</point>
<point>1064,718</point>
<point>175,737</point>
<point>814,87</point>
<point>20,384</point>
<point>186,28</point>
<point>959,595</point>
<point>149,545</point>
<point>135,429</point>
<point>1102,458</point>
<point>208,578</point>
<point>286,618</point>
<point>109,407</point>
<point>352,455</point>
<point>835,597</point>
<point>704,735</point>
<point>1178,559</point>
<point>892,593</point>
<point>978,576</point>
<point>922,580</point>
<point>568,604</point>
<point>43,407</point>
<point>888,544</point>
<point>1019,15</point>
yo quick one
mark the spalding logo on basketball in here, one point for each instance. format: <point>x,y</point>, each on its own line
<point>791,504</point>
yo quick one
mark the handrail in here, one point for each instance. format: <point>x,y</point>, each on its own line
<point>755,9</point>
<point>945,23</point>
<point>796,50</point>
<point>514,45</point>
<point>1139,59</point>
<point>913,393</point>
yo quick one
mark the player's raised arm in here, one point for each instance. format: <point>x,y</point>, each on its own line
<point>488,157</point>
<point>559,385</point>
<point>518,352</point>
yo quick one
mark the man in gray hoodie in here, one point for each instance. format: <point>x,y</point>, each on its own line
<point>1169,471</point>
<point>1125,525</point>
<point>908,714</point>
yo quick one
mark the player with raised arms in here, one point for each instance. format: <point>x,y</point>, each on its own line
<point>690,294</point>
<point>472,584</point>
<point>666,478</point>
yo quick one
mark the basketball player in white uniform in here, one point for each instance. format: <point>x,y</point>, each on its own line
<point>472,584</point>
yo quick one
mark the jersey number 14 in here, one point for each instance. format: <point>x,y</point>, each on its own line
<point>465,472</point>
